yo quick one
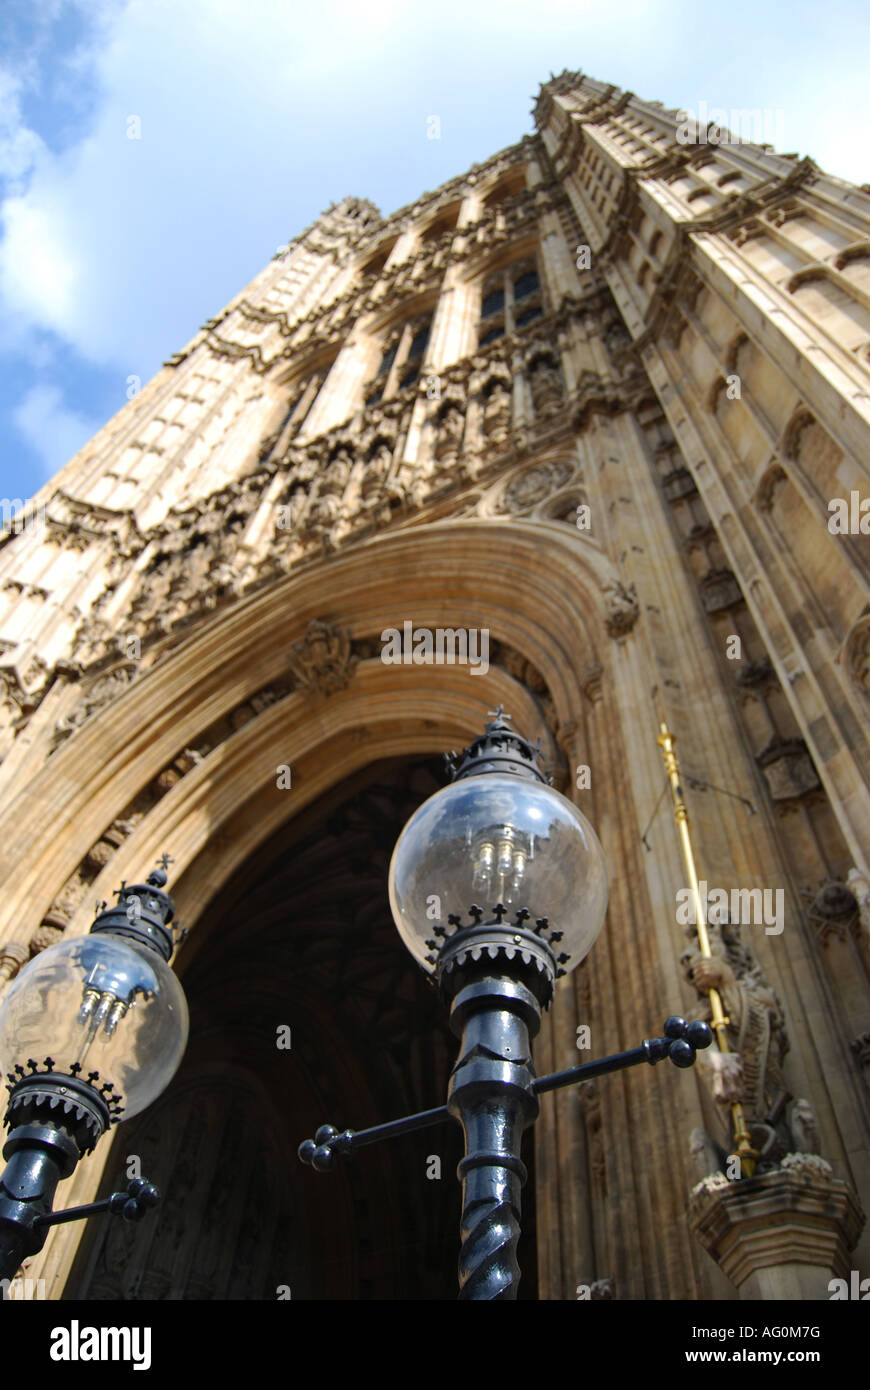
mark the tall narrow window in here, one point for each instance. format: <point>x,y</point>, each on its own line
<point>510,298</point>
<point>510,187</point>
<point>401,361</point>
<point>445,222</point>
<point>300,403</point>
<point>387,360</point>
<point>415,355</point>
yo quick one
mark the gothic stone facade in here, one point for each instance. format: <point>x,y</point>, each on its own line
<point>405,419</point>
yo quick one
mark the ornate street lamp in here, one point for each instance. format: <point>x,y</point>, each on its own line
<point>109,1018</point>
<point>498,836</point>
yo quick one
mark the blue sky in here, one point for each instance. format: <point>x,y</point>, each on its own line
<point>256,114</point>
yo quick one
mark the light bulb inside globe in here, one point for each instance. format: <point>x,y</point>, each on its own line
<point>499,838</point>
<point>98,1004</point>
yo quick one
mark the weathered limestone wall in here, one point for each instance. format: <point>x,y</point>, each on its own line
<point>645,376</point>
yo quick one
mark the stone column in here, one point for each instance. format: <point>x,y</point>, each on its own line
<point>784,1235</point>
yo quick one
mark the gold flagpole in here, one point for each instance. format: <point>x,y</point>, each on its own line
<point>666,741</point>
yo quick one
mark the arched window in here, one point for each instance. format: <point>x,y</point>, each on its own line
<point>510,299</point>
<point>510,186</point>
<point>379,258</point>
<point>443,223</point>
<point>301,398</point>
<point>414,359</point>
<point>402,359</point>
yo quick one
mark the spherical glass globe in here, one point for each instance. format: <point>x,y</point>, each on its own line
<point>104,1003</point>
<point>499,838</point>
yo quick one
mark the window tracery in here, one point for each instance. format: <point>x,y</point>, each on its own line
<point>510,299</point>
<point>402,359</point>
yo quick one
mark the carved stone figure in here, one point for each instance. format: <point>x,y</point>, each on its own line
<point>706,1155</point>
<point>751,1073</point>
<point>104,690</point>
<point>856,655</point>
<point>859,885</point>
<point>545,382</point>
<point>337,474</point>
<point>621,608</point>
<point>804,1128</point>
<point>321,660</point>
<point>375,476</point>
<point>497,412</point>
<point>450,429</point>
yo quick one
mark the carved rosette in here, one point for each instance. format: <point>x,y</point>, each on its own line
<point>533,485</point>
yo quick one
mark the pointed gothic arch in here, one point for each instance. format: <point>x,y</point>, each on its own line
<point>535,588</point>
<point>538,592</point>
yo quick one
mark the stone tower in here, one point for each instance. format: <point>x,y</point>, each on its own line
<point>597,398</point>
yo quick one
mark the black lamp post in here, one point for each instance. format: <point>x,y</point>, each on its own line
<point>113,1017</point>
<point>498,835</point>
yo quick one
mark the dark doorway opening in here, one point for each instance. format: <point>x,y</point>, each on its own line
<point>301,939</point>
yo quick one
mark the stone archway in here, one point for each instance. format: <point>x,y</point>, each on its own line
<point>532,584</point>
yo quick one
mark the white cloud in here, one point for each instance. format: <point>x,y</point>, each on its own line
<point>255,114</point>
<point>20,147</point>
<point>114,238</point>
<point>52,430</point>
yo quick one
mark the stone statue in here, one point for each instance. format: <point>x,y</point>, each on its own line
<point>621,608</point>
<point>751,1072</point>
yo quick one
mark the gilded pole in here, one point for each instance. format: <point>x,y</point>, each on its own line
<point>718,1021</point>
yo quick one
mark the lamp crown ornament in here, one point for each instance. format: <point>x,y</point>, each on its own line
<point>143,913</point>
<point>112,1018</point>
<point>500,748</point>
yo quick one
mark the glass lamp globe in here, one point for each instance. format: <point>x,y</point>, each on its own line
<point>493,838</point>
<point>104,1003</point>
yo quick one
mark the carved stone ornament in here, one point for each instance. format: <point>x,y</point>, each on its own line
<point>322,661</point>
<point>46,936</point>
<point>451,424</point>
<point>859,885</point>
<point>719,590</point>
<point>533,485</point>
<point>545,382</point>
<point>104,690</point>
<point>751,1072</point>
<point>621,608</point>
<point>14,955</point>
<point>497,411</point>
<point>856,655</point>
<point>678,483</point>
<point>788,768</point>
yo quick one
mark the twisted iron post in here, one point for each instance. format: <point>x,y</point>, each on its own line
<point>491,1094</point>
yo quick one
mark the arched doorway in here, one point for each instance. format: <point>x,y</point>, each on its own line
<point>301,938</point>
